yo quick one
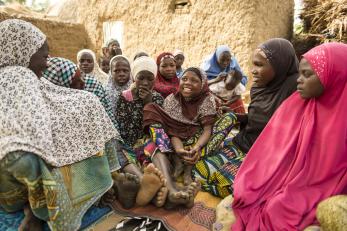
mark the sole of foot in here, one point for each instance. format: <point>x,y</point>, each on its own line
<point>152,181</point>
<point>127,186</point>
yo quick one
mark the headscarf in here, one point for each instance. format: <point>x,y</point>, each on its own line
<point>265,100</point>
<point>301,156</point>
<point>212,68</point>
<point>96,72</point>
<point>17,32</point>
<point>143,63</point>
<point>61,72</point>
<point>62,126</point>
<point>182,117</point>
<point>178,52</point>
<point>165,86</point>
<point>113,90</point>
<point>111,40</point>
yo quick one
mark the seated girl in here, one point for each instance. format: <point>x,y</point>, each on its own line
<point>86,61</point>
<point>227,89</point>
<point>275,70</point>
<point>166,81</point>
<point>188,121</point>
<point>218,67</point>
<point>300,158</point>
<point>65,73</point>
<point>129,114</point>
<point>46,133</point>
<point>119,80</point>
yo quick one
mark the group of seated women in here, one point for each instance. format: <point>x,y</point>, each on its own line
<point>72,135</point>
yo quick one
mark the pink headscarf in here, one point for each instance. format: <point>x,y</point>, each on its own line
<point>300,158</point>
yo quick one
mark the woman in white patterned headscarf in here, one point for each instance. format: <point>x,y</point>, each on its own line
<point>88,64</point>
<point>50,137</point>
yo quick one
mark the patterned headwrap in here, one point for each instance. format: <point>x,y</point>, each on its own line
<point>96,72</point>
<point>60,125</point>
<point>18,32</point>
<point>61,71</point>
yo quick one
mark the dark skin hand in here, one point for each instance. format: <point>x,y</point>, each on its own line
<point>232,80</point>
<point>143,93</point>
<point>192,155</point>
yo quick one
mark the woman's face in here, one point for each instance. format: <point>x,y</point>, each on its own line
<point>78,80</point>
<point>120,71</point>
<point>167,68</point>
<point>309,85</point>
<point>86,63</point>
<point>144,79</point>
<point>38,61</point>
<point>262,70</point>
<point>190,85</point>
<point>224,59</point>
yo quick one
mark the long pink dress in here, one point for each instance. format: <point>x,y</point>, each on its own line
<point>300,158</point>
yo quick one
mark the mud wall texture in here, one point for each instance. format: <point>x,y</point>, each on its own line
<point>196,28</point>
<point>64,39</point>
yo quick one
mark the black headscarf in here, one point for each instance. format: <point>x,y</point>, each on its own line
<point>265,100</point>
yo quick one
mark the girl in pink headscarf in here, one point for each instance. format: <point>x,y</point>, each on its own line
<point>300,158</point>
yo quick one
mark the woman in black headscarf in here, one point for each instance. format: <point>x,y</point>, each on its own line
<point>275,70</point>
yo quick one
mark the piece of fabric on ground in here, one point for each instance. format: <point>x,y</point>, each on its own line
<point>11,221</point>
<point>199,218</point>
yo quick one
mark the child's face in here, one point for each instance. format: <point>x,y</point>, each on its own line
<point>262,71</point>
<point>86,63</point>
<point>179,60</point>
<point>144,79</point>
<point>190,85</point>
<point>309,85</point>
<point>105,65</point>
<point>167,68</point>
<point>224,59</point>
<point>114,49</point>
<point>120,72</point>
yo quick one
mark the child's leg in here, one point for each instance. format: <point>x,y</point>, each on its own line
<point>178,166</point>
<point>187,176</point>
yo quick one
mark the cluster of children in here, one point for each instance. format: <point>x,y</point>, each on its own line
<point>150,131</point>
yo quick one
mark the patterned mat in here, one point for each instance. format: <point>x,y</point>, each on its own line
<point>199,218</point>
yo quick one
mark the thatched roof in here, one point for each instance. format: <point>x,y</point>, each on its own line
<point>325,19</point>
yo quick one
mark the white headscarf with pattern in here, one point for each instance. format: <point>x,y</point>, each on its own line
<point>60,125</point>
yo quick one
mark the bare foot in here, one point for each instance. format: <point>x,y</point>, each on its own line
<point>127,187</point>
<point>30,222</point>
<point>192,190</point>
<point>176,198</point>
<point>161,196</point>
<point>187,176</point>
<point>150,184</point>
